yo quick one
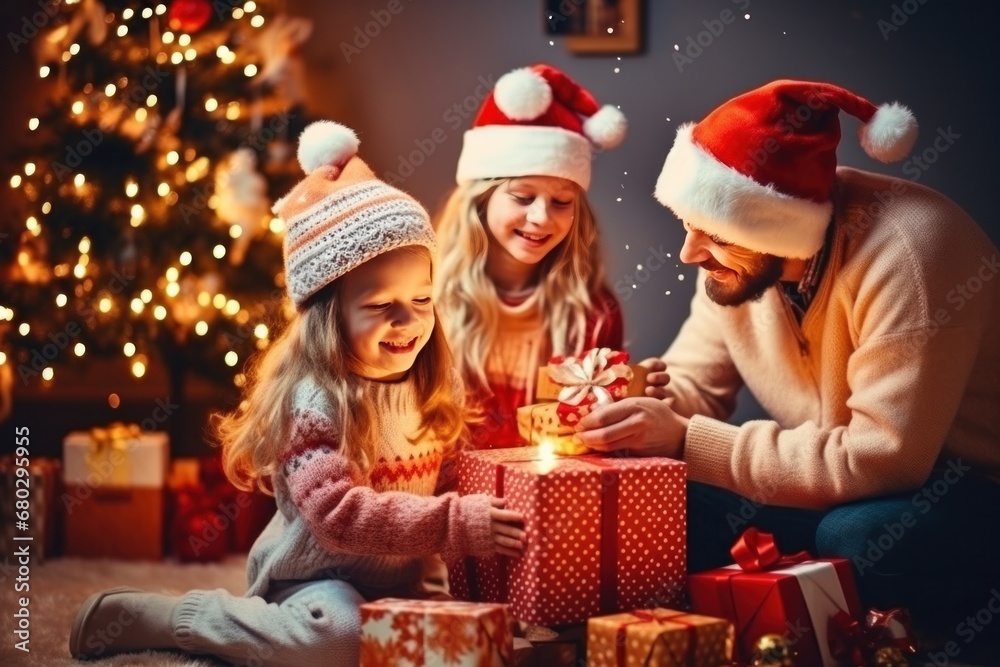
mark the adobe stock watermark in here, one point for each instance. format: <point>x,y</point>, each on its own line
<point>568,10</point>
<point>695,45</point>
<point>58,341</point>
<point>455,116</point>
<point>258,141</point>
<point>33,24</point>
<point>922,501</point>
<point>363,35</point>
<point>914,168</point>
<point>898,17</point>
<point>656,260</point>
<point>968,630</point>
<point>136,96</point>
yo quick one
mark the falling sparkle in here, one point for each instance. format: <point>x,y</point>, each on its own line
<point>551,43</point>
<point>634,287</point>
<point>668,254</point>
<point>619,199</point>
<point>626,173</point>
<point>617,69</point>
<point>676,47</point>
<point>626,246</point>
<point>680,277</point>
<point>638,267</point>
<point>668,120</point>
<point>746,16</point>
<point>667,292</point>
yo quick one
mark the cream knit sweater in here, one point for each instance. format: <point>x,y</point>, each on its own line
<point>894,370</point>
<point>375,533</point>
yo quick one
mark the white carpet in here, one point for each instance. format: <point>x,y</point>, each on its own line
<point>58,587</point>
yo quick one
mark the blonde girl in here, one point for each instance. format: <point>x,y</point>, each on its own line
<point>521,277</point>
<point>347,419</point>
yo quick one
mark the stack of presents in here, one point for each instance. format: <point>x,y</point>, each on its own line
<point>603,579</point>
<point>115,493</point>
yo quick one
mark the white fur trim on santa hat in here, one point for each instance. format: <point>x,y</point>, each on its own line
<point>719,200</point>
<point>606,128</point>
<point>522,94</point>
<point>502,151</point>
<point>890,134</point>
<point>326,143</point>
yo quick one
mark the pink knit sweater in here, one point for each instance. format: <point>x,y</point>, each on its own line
<point>894,370</point>
<point>374,532</point>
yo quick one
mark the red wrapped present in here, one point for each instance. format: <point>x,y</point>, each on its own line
<point>599,377</point>
<point>408,633</point>
<point>796,596</point>
<point>661,637</point>
<point>604,534</point>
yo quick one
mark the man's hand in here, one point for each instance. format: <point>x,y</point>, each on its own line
<point>657,379</point>
<point>644,426</point>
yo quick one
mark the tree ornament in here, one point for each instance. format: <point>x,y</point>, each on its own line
<point>241,199</point>
<point>199,535</point>
<point>189,15</point>
<point>772,650</point>
<point>890,656</point>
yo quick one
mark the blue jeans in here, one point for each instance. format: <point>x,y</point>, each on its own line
<point>933,550</point>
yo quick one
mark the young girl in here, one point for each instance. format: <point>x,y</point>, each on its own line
<point>521,275</point>
<point>347,420</point>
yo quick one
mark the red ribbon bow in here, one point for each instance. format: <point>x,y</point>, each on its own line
<point>756,551</point>
<point>854,644</point>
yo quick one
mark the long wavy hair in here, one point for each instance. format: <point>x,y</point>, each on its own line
<point>313,344</point>
<point>569,276</point>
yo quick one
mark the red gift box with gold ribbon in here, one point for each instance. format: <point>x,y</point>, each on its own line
<point>766,592</point>
<point>604,534</point>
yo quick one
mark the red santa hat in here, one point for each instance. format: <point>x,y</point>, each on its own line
<point>538,122</point>
<point>758,171</point>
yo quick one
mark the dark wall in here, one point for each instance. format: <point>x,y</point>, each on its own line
<point>399,90</point>
<point>404,83</point>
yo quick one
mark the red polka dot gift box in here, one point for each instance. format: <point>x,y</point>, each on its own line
<point>604,534</point>
<point>414,633</point>
<point>661,637</point>
<point>800,598</point>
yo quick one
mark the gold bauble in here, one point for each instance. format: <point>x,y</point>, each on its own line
<point>772,650</point>
<point>890,656</point>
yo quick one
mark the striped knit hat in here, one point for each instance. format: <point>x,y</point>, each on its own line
<point>341,215</point>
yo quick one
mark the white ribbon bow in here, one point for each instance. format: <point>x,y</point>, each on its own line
<point>590,375</point>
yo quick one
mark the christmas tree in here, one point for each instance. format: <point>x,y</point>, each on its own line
<point>144,228</point>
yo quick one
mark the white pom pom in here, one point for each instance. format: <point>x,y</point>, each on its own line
<point>523,94</point>
<point>890,134</point>
<point>606,128</point>
<point>326,143</point>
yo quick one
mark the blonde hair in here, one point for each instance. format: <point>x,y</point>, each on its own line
<point>313,344</point>
<point>569,276</point>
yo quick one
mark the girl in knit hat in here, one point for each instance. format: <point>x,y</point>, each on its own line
<point>521,276</point>
<point>346,421</point>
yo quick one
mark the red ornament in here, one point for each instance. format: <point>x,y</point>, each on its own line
<point>200,534</point>
<point>189,15</point>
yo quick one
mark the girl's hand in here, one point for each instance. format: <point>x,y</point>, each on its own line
<point>657,379</point>
<point>507,529</point>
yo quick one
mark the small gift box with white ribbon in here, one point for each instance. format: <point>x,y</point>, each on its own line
<point>114,481</point>
<point>578,385</point>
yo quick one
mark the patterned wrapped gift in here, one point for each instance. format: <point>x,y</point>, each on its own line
<point>578,384</point>
<point>604,534</point>
<point>412,633</point>
<point>38,485</point>
<point>114,486</point>
<point>794,596</point>
<point>661,637</point>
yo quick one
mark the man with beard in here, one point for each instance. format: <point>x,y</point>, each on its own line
<point>862,311</point>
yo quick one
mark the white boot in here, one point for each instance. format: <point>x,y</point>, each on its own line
<point>123,620</point>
